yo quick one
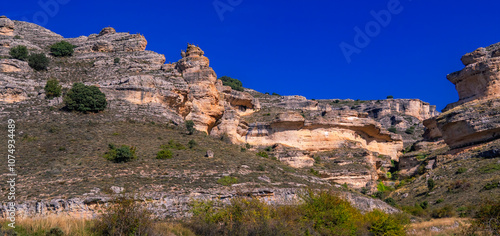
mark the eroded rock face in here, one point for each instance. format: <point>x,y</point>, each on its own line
<point>6,26</point>
<point>108,40</point>
<point>14,65</point>
<point>479,80</point>
<point>207,106</point>
<point>475,118</point>
<point>330,131</point>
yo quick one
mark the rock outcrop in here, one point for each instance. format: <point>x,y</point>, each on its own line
<point>479,80</point>
<point>475,118</point>
<point>6,26</point>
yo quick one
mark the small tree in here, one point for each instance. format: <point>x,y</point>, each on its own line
<point>124,217</point>
<point>390,97</point>
<point>192,144</point>
<point>120,154</point>
<point>233,83</point>
<point>85,98</point>
<point>190,126</point>
<point>19,52</point>
<point>52,89</point>
<point>164,154</point>
<point>62,49</point>
<point>38,61</point>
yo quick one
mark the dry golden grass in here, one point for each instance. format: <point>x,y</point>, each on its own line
<point>75,226</point>
<point>68,224</point>
<point>445,226</point>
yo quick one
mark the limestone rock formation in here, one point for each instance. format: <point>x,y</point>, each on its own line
<point>14,65</point>
<point>479,79</point>
<point>475,118</point>
<point>6,26</point>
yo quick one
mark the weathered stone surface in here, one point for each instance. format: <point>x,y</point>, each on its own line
<point>470,123</point>
<point>475,118</point>
<point>479,80</point>
<point>6,26</point>
<point>14,65</point>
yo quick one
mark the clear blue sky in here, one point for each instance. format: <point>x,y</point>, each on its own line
<point>292,47</point>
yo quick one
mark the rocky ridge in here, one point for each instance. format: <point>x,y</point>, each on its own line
<point>140,86</point>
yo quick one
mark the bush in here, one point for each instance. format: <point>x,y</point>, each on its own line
<point>233,83</point>
<point>62,49</point>
<point>85,98</point>
<point>262,154</point>
<point>320,213</point>
<point>461,170</point>
<point>392,129</point>
<point>192,144</point>
<point>410,130</point>
<point>390,97</point>
<point>164,154</point>
<point>227,180</point>
<point>122,154</point>
<point>380,223</point>
<point>116,60</point>
<point>443,212</point>
<point>52,89</point>
<point>190,126</point>
<point>391,201</point>
<point>431,184</point>
<point>173,145</point>
<point>38,61</point>
<point>487,219</point>
<point>55,232</point>
<point>125,217</point>
<point>19,52</point>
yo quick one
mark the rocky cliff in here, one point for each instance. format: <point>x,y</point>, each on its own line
<point>139,86</point>
<point>475,117</point>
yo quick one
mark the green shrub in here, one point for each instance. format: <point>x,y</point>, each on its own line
<point>62,49</point>
<point>19,52</point>
<point>380,223</point>
<point>415,210</point>
<point>17,37</point>
<point>424,205</point>
<point>227,180</point>
<point>390,97</point>
<point>275,94</point>
<point>490,186</point>
<point>116,60</point>
<point>125,217</point>
<point>390,201</point>
<point>190,126</point>
<point>55,232</point>
<point>461,170</point>
<point>443,212</point>
<point>320,213</point>
<point>52,89</point>
<point>172,144</point>
<point>410,130</point>
<point>269,149</point>
<point>192,144</point>
<point>431,184</point>
<point>487,220</point>
<point>164,154</point>
<point>392,129</point>
<point>122,154</point>
<point>262,154</point>
<point>233,83</point>
<point>85,98</point>
<point>38,61</point>
<point>439,201</point>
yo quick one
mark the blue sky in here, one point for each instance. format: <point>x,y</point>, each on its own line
<point>293,47</point>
